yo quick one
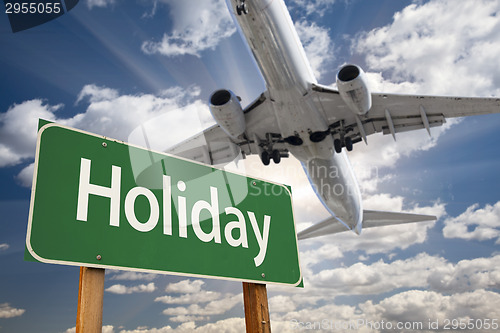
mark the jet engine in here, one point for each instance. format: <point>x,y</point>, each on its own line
<point>353,90</point>
<point>227,112</point>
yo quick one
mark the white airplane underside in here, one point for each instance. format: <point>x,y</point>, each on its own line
<point>315,123</point>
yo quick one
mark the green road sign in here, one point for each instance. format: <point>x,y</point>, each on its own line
<point>99,202</point>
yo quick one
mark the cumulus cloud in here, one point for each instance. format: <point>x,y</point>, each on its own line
<point>193,34</point>
<point>317,44</point>
<point>229,325</point>
<point>185,286</point>
<point>422,306</point>
<point>117,116</point>
<point>122,290</point>
<point>419,288</point>
<point>281,303</point>
<point>131,276</point>
<point>203,303</point>
<point>420,272</point>
<point>309,7</point>
<point>18,129</point>
<point>412,307</point>
<point>6,311</point>
<point>216,307</point>
<point>140,119</point>
<point>438,46</point>
<point>383,152</point>
<point>105,329</point>
<point>96,94</point>
<point>475,224</point>
<point>201,296</point>
<point>466,275</point>
<point>378,277</point>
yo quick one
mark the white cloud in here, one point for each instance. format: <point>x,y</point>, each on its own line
<point>117,116</point>
<point>18,130</point>
<point>192,293</point>
<point>309,7</point>
<point>423,272</point>
<point>122,290</point>
<point>99,3</point>
<point>25,177</point>
<point>6,311</point>
<point>413,306</point>
<point>383,152</point>
<point>422,306</point>
<point>96,94</point>
<point>317,44</point>
<point>105,329</point>
<point>475,224</point>
<point>201,296</point>
<point>131,276</point>
<point>185,287</point>
<point>229,325</point>
<point>281,303</point>
<point>420,288</point>
<point>193,34</point>
<point>108,113</point>
<point>216,307</point>
<point>187,318</point>
<point>378,277</point>
<point>466,275</point>
<point>4,247</point>
<point>439,46</point>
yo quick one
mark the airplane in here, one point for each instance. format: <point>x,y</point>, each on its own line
<point>313,122</point>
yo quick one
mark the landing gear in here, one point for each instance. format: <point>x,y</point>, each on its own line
<point>265,158</point>
<point>276,156</point>
<point>270,148</point>
<point>338,144</point>
<point>348,143</point>
<point>242,8</point>
<point>342,136</point>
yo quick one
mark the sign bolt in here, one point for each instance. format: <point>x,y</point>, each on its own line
<point>104,144</point>
<point>98,257</point>
<point>254,183</point>
<point>263,275</point>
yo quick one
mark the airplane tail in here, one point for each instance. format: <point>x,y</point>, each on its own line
<point>371,219</point>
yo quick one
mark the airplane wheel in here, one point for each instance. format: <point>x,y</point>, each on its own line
<point>242,9</point>
<point>276,156</point>
<point>265,158</point>
<point>348,144</point>
<point>338,146</point>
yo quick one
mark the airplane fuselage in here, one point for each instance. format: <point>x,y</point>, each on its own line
<point>271,35</point>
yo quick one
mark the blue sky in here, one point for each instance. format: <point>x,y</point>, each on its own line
<point>109,66</point>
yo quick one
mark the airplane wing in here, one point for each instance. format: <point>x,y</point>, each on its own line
<point>371,219</point>
<point>214,146</point>
<point>394,113</point>
<point>389,114</point>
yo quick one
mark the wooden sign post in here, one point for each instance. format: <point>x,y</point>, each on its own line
<point>256,308</point>
<point>90,299</point>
